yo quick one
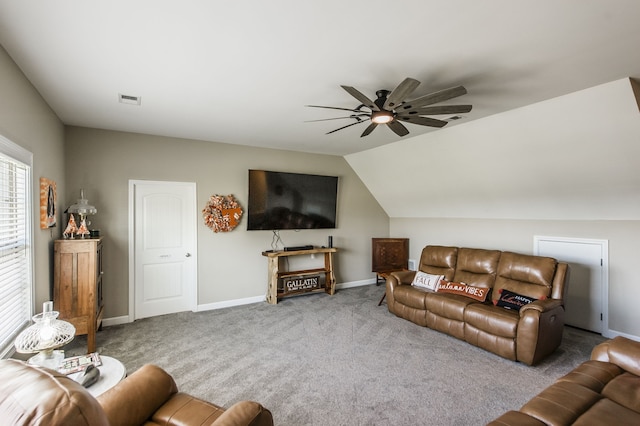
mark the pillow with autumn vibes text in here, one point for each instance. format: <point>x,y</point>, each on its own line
<point>427,281</point>
<point>511,300</point>
<point>477,293</point>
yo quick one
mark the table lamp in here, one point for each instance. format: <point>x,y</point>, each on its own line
<point>46,334</point>
<point>82,208</point>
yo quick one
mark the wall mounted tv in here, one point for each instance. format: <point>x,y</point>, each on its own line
<point>279,200</point>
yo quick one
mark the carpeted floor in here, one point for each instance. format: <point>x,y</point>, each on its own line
<point>335,360</point>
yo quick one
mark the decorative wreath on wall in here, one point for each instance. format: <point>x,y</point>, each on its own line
<point>222,213</point>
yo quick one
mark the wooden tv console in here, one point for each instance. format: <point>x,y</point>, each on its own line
<point>278,272</point>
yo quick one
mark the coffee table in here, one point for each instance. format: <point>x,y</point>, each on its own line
<point>112,371</point>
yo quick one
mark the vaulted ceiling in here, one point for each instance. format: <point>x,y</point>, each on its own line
<point>242,72</point>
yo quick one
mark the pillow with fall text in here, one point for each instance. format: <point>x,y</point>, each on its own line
<point>428,281</point>
<point>477,293</point>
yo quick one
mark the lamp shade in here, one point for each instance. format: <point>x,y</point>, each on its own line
<point>82,206</point>
<point>46,334</point>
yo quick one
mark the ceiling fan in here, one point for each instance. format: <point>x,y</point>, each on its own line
<point>391,108</point>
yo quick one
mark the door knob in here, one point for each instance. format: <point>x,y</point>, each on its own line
<point>188,255</point>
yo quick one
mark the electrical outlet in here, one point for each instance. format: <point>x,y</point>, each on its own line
<point>412,264</point>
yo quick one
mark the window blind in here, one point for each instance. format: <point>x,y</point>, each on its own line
<point>15,246</point>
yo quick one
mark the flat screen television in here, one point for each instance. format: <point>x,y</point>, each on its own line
<point>280,200</point>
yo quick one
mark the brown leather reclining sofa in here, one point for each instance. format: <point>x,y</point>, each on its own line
<point>37,396</point>
<point>602,391</point>
<point>526,335</point>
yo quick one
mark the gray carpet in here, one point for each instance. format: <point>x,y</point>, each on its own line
<point>335,360</point>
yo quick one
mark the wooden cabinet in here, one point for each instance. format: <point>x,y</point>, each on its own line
<point>278,274</point>
<point>389,254</point>
<point>77,285</point>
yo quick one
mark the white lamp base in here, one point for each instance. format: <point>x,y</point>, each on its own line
<point>48,359</point>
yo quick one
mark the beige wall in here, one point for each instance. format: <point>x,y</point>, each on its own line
<point>27,120</point>
<point>230,265</point>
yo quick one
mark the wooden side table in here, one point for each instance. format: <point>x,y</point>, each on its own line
<point>277,271</point>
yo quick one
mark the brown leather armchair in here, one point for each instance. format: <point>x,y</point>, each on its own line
<point>38,396</point>
<point>602,391</point>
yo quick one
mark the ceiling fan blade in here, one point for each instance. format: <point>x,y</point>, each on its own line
<point>432,98</point>
<point>344,127</point>
<point>370,128</point>
<point>398,128</point>
<point>356,116</point>
<point>362,98</point>
<point>436,110</point>
<point>338,108</point>
<point>422,121</point>
<point>398,95</point>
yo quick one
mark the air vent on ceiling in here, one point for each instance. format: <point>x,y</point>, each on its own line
<point>128,99</point>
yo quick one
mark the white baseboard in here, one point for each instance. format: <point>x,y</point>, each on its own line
<point>115,321</point>
<point>610,334</point>
<point>236,302</point>
<point>230,303</point>
<point>355,283</point>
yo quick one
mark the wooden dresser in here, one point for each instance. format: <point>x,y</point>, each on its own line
<point>77,285</point>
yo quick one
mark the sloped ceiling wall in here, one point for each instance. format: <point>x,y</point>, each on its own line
<point>575,157</point>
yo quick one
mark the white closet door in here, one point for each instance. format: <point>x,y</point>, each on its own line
<point>586,299</point>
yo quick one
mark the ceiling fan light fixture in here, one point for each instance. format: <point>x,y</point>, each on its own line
<point>382,117</point>
<point>393,109</point>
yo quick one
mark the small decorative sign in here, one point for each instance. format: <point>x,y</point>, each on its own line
<point>302,283</point>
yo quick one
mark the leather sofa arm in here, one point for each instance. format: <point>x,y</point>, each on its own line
<point>516,418</point>
<point>183,409</point>
<point>137,397</point>
<point>541,306</point>
<point>623,352</point>
<point>403,277</point>
<point>245,413</point>
<point>395,279</point>
<point>539,330</point>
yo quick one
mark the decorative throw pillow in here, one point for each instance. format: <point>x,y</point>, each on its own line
<point>511,300</point>
<point>477,293</point>
<point>428,281</point>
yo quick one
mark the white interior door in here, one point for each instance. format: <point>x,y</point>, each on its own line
<point>586,300</point>
<point>164,239</point>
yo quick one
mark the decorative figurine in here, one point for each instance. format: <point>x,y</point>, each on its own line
<point>90,376</point>
<point>83,230</point>
<point>71,228</point>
